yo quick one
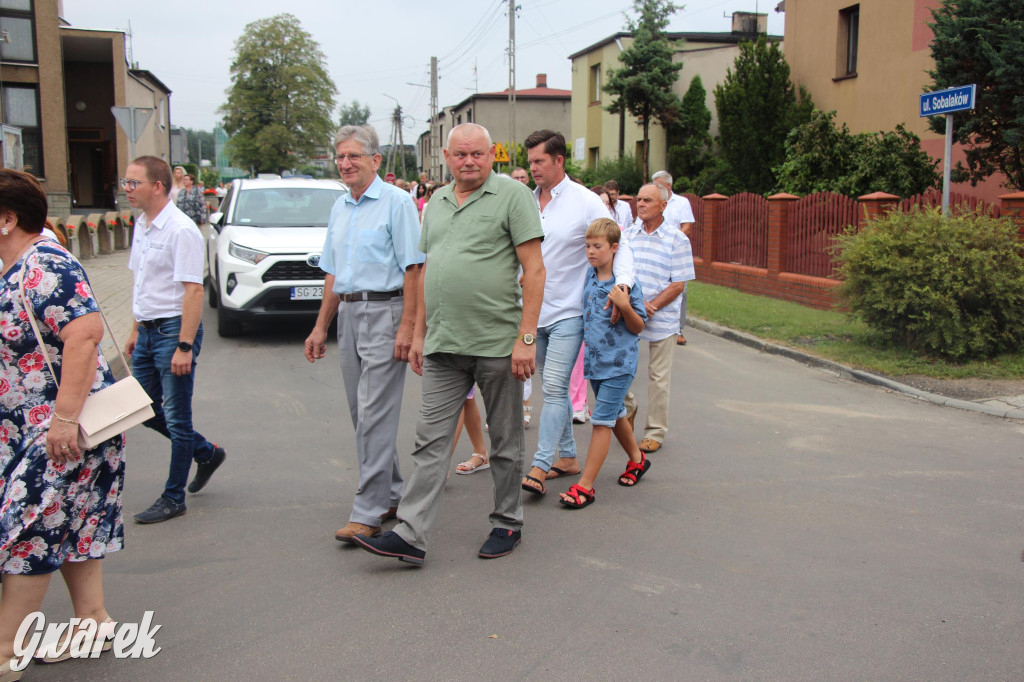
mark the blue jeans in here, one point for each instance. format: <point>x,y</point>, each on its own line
<point>558,344</point>
<point>172,400</point>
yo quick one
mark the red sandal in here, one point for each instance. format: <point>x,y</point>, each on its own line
<point>635,471</point>
<point>581,497</point>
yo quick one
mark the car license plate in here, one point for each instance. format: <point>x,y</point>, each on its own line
<point>307,293</point>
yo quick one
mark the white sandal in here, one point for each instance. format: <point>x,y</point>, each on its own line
<point>527,409</point>
<point>61,651</point>
<point>470,469</point>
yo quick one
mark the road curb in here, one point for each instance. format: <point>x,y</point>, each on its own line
<point>848,372</point>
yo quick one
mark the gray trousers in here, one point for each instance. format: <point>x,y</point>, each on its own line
<point>374,381</point>
<point>447,379</point>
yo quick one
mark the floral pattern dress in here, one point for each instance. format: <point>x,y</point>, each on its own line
<point>192,204</point>
<point>49,513</point>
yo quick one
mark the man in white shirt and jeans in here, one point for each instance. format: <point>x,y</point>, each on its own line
<point>167,305</point>
<point>566,209</point>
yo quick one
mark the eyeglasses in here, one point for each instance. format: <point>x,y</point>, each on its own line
<point>354,158</point>
<point>133,184</point>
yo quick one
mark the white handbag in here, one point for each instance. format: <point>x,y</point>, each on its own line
<point>109,411</point>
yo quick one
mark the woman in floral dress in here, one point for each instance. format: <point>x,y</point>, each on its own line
<point>60,506</point>
<point>191,202</point>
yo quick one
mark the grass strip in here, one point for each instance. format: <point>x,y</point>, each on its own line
<point>834,335</point>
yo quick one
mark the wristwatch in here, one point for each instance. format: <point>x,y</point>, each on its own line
<point>528,339</point>
<point>184,346</point>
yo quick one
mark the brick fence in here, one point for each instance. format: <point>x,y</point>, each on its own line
<point>800,233</point>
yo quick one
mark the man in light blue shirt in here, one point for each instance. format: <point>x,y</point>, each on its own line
<point>372,263</point>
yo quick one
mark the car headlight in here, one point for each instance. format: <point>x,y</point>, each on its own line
<point>242,253</point>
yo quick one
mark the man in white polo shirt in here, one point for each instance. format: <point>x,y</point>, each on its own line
<point>167,305</point>
<point>664,264</point>
<point>566,209</point>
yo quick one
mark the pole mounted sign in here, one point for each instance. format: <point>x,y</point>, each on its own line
<point>945,102</point>
<point>948,101</point>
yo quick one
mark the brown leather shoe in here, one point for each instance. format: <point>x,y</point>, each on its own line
<point>649,445</point>
<point>391,513</point>
<point>352,529</point>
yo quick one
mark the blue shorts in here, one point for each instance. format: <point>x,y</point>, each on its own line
<point>610,402</point>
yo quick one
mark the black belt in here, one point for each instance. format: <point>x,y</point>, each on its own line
<point>153,324</point>
<point>371,296</point>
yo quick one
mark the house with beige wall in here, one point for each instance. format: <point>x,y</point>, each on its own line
<point>597,132</point>
<point>869,62</point>
<point>536,108</point>
<point>58,85</point>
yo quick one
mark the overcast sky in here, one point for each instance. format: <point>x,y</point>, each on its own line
<point>376,49</point>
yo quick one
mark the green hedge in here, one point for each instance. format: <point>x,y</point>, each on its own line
<point>950,287</point>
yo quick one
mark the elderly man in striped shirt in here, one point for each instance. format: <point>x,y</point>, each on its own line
<point>663,263</point>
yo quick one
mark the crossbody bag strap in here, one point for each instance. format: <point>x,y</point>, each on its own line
<point>35,326</point>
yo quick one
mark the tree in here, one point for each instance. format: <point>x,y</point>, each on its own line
<point>280,102</point>
<point>354,114</point>
<point>893,162</point>
<point>982,42</point>
<point>689,137</point>
<point>644,83</point>
<point>757,107</point>
<point>821,157</point>
<point>200,141</point>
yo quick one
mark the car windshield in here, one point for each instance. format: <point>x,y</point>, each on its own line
<point>285,206</point>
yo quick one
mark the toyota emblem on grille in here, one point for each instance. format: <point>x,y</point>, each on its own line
<point>313,260</point>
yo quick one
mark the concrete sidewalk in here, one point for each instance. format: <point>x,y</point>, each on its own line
<point>111,282</point>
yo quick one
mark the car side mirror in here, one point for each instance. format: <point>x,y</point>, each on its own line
<point>217,220</point>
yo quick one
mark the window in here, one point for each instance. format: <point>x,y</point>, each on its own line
<point>163,114</point>
<point>846,52</point>
<point>17,19</point>
<point>595,84</point>
<point>469,116</point>
<point>21,108</point>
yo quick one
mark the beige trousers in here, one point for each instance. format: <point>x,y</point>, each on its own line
<point>659,384</point>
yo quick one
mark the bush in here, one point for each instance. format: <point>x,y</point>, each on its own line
<point>625,170</point>
<point>823,157</point>
<point>949,287</point>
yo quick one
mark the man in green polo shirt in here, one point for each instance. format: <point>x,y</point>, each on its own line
<point>476,234</point>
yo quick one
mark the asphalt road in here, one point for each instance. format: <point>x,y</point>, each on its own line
<point>795,527</point>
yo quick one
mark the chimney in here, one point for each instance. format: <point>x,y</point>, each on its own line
<point>542,80</point>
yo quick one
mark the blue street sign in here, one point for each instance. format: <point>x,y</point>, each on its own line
<point>948,101</point>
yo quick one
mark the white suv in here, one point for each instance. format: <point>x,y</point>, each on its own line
<point>264,249</point>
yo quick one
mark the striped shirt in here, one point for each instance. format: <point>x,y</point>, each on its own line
<point>659,259</point>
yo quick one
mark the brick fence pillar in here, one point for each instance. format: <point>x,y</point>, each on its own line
<point>1012,206</point>
<point>712,219</point>
<point>876,205</point>
<point>778,231</point>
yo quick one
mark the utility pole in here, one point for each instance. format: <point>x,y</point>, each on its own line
<point>395,121</point>
<point>434,143</point>
<point>512,79</point>
<point>401,141</point>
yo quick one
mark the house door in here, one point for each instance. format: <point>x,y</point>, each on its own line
<point>93,184</point>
